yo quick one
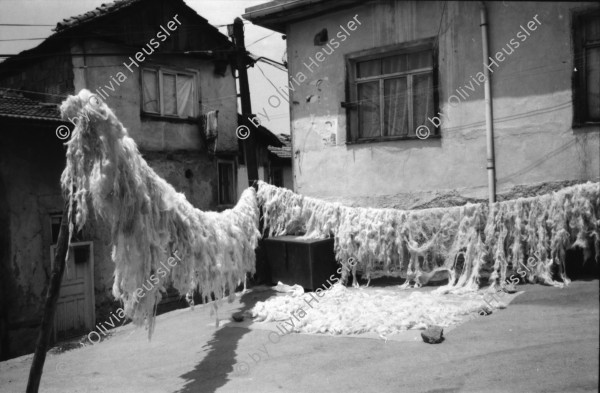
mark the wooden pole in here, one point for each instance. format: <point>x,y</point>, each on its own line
<point>37,366</point>
<point>250,142</point>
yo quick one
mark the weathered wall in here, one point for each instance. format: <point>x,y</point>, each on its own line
<point>151,133</point>
<point>31,161</point>
<point>187,173</point>
<point>534,139</point>
<point>52,75</point>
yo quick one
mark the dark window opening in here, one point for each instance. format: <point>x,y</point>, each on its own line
<point>226,183</point>
<point>586,77</point>
<point>321,38</point>
<point>277,177</point>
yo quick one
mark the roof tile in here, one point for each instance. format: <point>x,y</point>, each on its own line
<point>104,9</point>
<point>17,106</point>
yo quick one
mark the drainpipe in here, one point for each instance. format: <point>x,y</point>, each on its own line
<point>489,125</point>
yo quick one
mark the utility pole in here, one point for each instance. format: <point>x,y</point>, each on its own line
<point>250,142</point>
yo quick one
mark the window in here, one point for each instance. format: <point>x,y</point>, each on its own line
<point>391,91</point>
<point>227,188</point>
<point>55,222</point>
<point>168,93</point>
<point>586,97</point>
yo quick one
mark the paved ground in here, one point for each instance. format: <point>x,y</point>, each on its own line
<point>547,340</point>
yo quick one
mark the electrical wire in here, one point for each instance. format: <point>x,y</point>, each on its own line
<point>269,80</point>
<point>272,63</point>
<point>437,37</point>
<point>23,24</point>
<point>23,39</point>
<point>186,29</point>
<point>260,39</point>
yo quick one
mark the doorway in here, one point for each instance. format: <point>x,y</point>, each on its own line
<point>75,314</point>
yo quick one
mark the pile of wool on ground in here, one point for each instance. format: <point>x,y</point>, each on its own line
<point>341,310</point>
<point>459,242</point>
<point>148,219</point>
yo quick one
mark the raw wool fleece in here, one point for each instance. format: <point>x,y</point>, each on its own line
<point>341,310</point>
<point>461,242</point>
<point>149,220</point>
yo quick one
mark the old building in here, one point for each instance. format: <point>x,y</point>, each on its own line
<point>387,98</point>
<point>273,157</point>
<point>31,160</point>
<point>167,74</point>
<point>281,163</point>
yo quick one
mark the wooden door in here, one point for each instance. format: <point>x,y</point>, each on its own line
<point>75,314</point>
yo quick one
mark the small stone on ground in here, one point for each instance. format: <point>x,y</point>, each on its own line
<point>433,335</point>
<point>237,317</point>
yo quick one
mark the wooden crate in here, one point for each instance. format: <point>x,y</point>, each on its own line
<point>307,262</point>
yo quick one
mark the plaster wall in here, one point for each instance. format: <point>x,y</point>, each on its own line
<point>151,133</point>
<point>31,193</point>
<point>532,101</point>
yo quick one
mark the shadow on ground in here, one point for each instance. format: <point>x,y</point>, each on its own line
<point>220,362</point>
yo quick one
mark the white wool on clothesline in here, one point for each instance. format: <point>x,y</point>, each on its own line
<point>148,219</point>
<point>418,243</point>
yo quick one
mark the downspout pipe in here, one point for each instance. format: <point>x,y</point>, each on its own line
<point>489,119</point>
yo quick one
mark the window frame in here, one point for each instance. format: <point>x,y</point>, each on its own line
<point>160,71</point>
<point>352,82</point>
<point>55,219</point>
<point>581,117</point>
<point>231,162</point>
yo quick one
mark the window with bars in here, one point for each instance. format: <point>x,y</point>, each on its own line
<point>168,93</point>
<point>586,78</point>
<point>227,183</point>
<point>392,91</point>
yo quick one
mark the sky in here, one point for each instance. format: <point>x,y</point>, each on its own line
<point>14,39</point>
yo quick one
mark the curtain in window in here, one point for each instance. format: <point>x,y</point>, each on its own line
<point>420,60</point>
<point>368,68</point>
<point>394,64</point>
<point>407,99</point>
<point>395,107</point>
<point>169,94</point>
<point>368,110</point>
<point>185,96</point>
<point>395,97</point>
<point>150,91</point>
<point>422,100</point>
